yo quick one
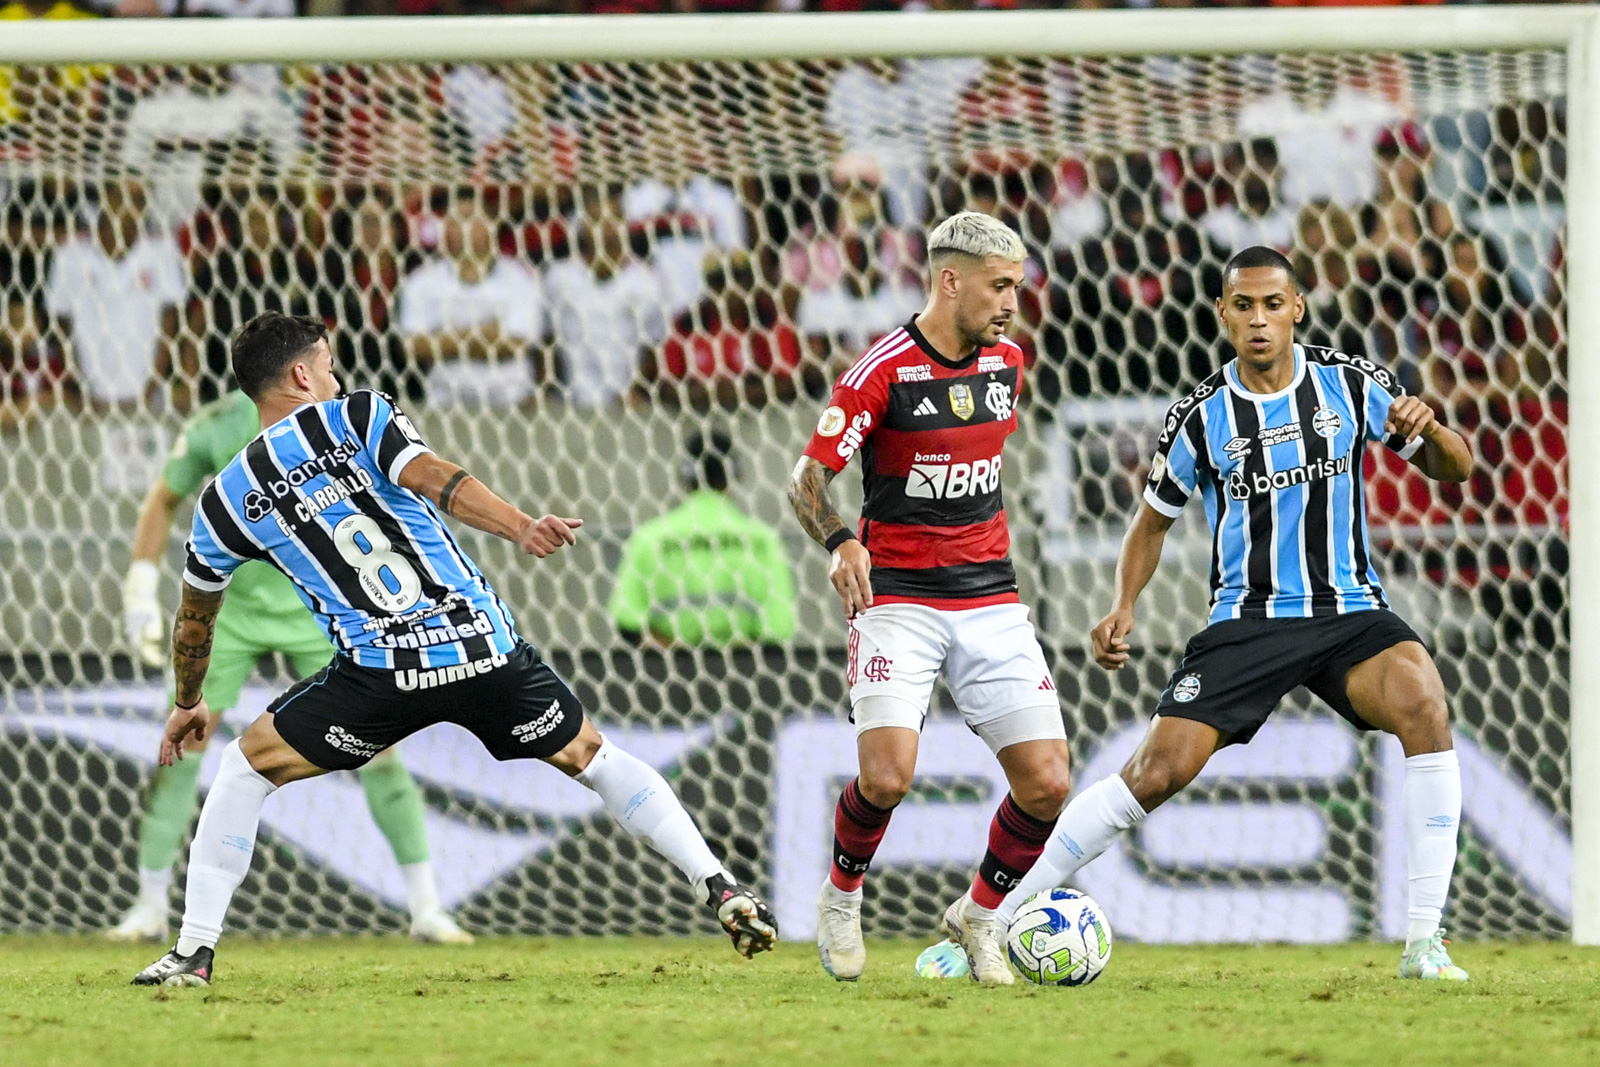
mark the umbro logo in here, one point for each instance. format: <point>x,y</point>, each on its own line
<point>925,408</point>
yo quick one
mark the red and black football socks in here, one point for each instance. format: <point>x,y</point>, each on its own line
<point>858,826</point>
<point>1015,841</point>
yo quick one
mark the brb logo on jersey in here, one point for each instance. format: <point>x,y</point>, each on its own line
<point>930,479</point>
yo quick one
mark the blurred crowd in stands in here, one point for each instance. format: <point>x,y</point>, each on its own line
<point>1429,241</point>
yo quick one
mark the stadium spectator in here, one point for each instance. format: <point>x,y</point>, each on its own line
<point>116,292</point>
<point>228,9</point>
<point>49,90</point>
<point>1254,218</point>
<point>471,317</point>
<point>735,347</point>
<point>1325,137</point>
<point>245,258</point>
<point>859,276</point>
<point>192,117</point>
<point>363,260</point>
<point>688,222</point>
<point>33,371</point>
<point>891,113</point>
<point>705,573</point>
<point>607,307</point>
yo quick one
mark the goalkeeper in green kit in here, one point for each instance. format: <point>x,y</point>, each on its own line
<point>263,614</point>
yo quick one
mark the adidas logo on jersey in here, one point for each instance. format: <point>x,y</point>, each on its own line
<point>925,408</point>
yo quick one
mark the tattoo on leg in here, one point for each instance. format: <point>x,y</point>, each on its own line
<point>449,490</point>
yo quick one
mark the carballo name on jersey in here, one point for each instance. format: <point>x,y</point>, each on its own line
<point>342,488</point>
<point>428,636</point>
<point>1242,485</point>
<point>412,679</point>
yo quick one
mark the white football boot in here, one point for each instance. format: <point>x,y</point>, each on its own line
<point>1430,960</point>
<point>438,928</point>
<point>145,921</point>
<point>975,929</point>
<point>839,945</point>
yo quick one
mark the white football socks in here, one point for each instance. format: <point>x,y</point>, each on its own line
<point>224,841</point>
<point>1088,826</point>
<point>422,891</point>
<point>155,887</point>
<point>640,799</point>
<point>1431,802</point>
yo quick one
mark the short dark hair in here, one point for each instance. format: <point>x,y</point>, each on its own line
<point>1258,256</point>
<point>706,460</point>
<point>268,345</point>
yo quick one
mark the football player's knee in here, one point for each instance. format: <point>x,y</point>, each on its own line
<point>1154,778</point>
<point>885,783</point>
<point>1428,720</point>
<point>1046,794</point>
<point>575,757</point>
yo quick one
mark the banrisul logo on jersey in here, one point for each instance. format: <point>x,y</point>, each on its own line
<point>1243,485</point>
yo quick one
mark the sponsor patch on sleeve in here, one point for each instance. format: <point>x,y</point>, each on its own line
<point>832,422</point>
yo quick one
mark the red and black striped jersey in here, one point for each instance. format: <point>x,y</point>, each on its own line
<point>930,433</point>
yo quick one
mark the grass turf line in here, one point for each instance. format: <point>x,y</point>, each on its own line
<point>645,1001</point>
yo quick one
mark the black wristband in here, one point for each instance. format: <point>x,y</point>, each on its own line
<point>838,538</point>
<point>191,707</point>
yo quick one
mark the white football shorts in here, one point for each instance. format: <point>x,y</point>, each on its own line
<point>991,661</point>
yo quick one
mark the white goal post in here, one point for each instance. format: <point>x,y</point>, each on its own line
<point>1576,29</point>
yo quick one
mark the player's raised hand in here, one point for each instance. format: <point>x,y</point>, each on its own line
<point>1110,639</point>
<point>1410,417</point>
<point>183,725</point>
<point>850,572</point>
<point>543,536</point>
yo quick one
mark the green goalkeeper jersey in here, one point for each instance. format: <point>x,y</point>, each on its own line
<point>217,433</point>
<point>705,574</point>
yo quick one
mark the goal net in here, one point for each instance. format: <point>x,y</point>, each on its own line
<point>565,271</point>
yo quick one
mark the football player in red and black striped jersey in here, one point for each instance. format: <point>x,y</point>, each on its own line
<point>927,584</point>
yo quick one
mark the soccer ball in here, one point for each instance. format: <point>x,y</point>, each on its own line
<point>944,960</point>
<point>1059,938</point>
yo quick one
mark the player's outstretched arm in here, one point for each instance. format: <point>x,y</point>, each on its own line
<point>850,568</point>
<point>141,609</point>
<point>1140,555</point>
<point>192,634</point>
<point>1444,455</point>
<point>460,495</point>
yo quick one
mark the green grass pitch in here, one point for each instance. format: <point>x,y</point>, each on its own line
<point>643,1001</point>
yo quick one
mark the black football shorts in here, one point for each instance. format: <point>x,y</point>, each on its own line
<point>1234,672</point>
<point>342,716</point>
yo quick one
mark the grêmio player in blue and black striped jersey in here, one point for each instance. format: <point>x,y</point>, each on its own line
<point>1272,443</point>
<point>342,495</point>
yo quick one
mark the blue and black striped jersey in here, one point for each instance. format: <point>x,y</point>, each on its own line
<point>316,495</point>
<point>1280,477</point>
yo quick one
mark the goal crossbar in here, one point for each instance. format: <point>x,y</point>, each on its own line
<point>768,37</point>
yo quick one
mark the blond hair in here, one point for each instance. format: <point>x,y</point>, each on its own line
<point>972,233</point>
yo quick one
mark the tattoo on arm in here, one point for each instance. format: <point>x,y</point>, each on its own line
<point>449,490</point>
<point>808,492</point>
<point>191,642</point>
